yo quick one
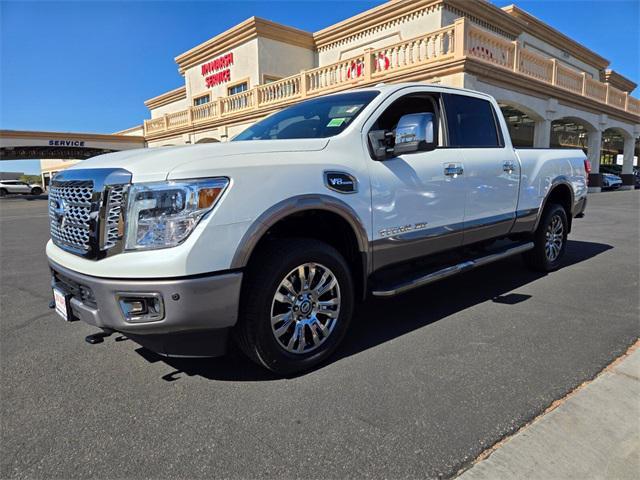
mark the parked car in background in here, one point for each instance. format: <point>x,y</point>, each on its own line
<point>17,186</point>
<point>610,181</point>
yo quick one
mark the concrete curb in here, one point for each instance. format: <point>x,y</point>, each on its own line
<point>592,432</point>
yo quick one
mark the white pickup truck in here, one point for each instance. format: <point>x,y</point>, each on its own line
<point>272,238</point>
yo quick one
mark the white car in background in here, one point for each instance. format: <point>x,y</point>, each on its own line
<point>611,181</point>
<point>17,186</point>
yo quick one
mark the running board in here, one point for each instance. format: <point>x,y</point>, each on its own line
<point>450,271</point>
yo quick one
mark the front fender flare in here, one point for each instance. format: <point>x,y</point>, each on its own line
<point>294,205</point>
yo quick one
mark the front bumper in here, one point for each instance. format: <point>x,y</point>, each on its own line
<point>198,311</point>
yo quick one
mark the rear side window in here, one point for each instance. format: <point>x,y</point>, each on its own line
<point>471,122</point>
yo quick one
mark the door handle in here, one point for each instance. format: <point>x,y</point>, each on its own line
<point>508,166</point>
<point>453,170</point>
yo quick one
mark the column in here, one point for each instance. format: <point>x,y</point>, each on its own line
<point>628,180</point>
<point>542,128</point>
<point>542,134</point>
<point>593,154</point>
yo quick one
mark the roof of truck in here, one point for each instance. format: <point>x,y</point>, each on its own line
<point>393,87</point>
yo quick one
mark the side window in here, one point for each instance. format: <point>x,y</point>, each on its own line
<point>412,103</point>
<point>471,122</point>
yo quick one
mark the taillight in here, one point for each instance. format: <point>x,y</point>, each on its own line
<point>587,168</point>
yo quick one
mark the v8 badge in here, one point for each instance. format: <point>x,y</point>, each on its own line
<point>340,182</point>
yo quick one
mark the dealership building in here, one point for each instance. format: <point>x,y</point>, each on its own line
<point>554,91</point>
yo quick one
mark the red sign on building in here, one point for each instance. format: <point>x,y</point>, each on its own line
<point>212,67</point>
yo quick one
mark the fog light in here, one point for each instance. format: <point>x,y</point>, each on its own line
<point>141,307</point>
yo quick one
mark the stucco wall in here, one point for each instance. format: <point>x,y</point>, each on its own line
<point>539,46</point>
<point>132,132</point>
<point>281,59</point>
<point>169,108</point>
<point>536,45</point>
<point>386,35</point>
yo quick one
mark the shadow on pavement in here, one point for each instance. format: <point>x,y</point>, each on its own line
<point>387,319</point>
<point>28,198</point>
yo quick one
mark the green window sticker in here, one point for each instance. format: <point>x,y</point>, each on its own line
<point>336,122</point>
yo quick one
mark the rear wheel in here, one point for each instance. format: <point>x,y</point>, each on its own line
<point>3,192</point>
<point>296,305</point>
<point>550,240</point>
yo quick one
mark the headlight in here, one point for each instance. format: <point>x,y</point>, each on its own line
<point>161,215</point>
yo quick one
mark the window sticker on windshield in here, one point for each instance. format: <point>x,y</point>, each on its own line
<point>336,122</point>
<point>353,109</point>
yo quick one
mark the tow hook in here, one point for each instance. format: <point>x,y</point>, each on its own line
<point>99,337</point>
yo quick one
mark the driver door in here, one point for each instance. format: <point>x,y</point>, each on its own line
<point>417,199</point>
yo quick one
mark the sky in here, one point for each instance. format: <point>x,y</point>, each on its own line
<point>88,66</point>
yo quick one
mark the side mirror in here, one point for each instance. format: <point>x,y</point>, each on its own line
<point>381,142</point>
<point>415,133</point>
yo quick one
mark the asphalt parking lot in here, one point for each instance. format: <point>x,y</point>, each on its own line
<point>423,384</point>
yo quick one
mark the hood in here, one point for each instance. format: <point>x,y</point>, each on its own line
<point>155,164</point>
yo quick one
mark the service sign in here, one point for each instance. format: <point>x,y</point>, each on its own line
<point>217,71</point>
<point>66,143</point>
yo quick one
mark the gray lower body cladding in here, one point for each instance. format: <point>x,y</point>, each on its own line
<point>198,311</point>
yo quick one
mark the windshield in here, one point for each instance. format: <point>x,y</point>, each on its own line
<point>318,118</point>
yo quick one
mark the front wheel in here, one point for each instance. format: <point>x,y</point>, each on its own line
<point>3,192</point>
<point>550,240</point>
<point>36,191</point>
<point>296,305</point>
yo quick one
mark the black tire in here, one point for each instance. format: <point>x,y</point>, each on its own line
<point>539,258</point>
<point>3,192</point>
<point>36,191</point>
<point>254,333</point>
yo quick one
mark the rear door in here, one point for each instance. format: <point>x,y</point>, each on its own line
<point>491,168</point>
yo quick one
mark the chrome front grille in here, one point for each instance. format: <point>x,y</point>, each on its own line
<point>70,206</point>
<point>86,210</point>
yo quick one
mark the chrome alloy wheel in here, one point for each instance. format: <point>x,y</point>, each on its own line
<point>305,308</point>
<point>554,236</point>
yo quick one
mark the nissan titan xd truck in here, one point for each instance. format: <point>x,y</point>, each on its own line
<point>270,240</point>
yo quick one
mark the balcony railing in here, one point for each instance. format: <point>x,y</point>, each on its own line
<point>488,47</point>
<point>447,44</point>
